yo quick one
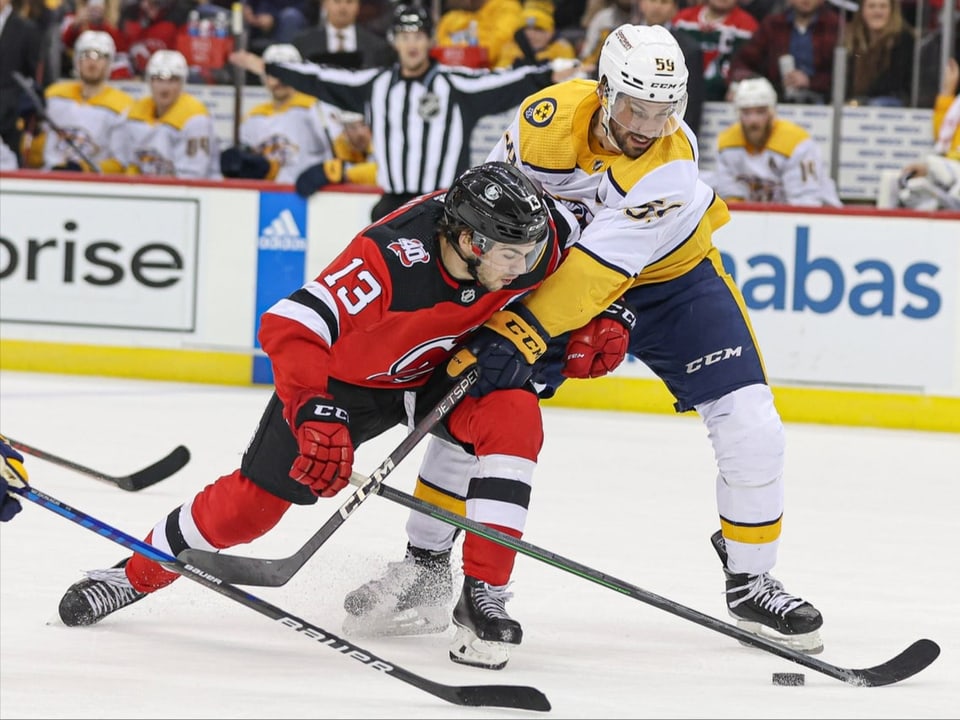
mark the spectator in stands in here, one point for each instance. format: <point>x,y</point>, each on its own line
<point>274,21</point>
<point>102,16</point>
<point>338,40</point>
<point>720,27</point>
<point>603,21</point>
<point>353,163</point>
<point>19,52</point>
<point>536,41</point>
<point>169,132</point>
<point>933,184</point>
<point>759,9</point>
<point>879,55</point>
<point>763,158</point>
<point>151,25</point>
<point>282,137</point>
<point>794,50</point>
<point>489,24</point>
<point>662,12</point>
<point>89,112</point>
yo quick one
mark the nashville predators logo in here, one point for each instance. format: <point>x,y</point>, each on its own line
<point>540,113</point>
<point>152,162</point>
<point>278,148</point>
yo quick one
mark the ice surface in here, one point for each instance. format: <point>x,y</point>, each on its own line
<point>870,537</point>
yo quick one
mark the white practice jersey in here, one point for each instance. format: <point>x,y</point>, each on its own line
<point>292,137</point>
<point>181,143</point>
<point>92,124</point>
<point>645,220</point>
<point>788,170</point>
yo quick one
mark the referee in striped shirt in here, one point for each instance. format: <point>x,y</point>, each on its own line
<point>422,113</point>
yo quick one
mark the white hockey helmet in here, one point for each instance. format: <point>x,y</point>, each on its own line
<point>167,64</point>
<point>282,52</point>
<point>643,62</point>
<point>754,92</point>
<point>96,41</point>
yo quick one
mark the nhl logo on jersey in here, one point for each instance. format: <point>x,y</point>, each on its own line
<point>468,295</point>
<point>541,112</point>
<point>429,106</point>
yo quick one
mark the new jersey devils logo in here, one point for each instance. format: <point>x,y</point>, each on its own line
<point>410,251</point>
<point>419,361</point>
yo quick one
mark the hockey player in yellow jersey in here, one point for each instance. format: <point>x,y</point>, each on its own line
<point>644,278</point>
<point>169,132</point>
<point>763,158</point>
<point>88,112</point>
<point>282,137</point>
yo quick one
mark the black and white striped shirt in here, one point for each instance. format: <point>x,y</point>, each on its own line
<point>421,126</point>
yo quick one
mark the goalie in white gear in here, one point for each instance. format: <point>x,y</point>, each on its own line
<point>170,132</point>
<point>617,154</point>
<point>88,112</point>
<point>763,158</point>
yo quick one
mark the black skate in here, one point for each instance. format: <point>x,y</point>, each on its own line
<point>412,598</point>
<point>102,592</point>
<point>485,633</point>
<point>761,606</point>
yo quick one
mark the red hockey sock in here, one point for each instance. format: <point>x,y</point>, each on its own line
<point>231,511</point>
<point>488,561</point>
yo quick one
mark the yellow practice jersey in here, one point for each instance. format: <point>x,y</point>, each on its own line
<point>788,169</point>
<point>180,143</point>
<point>644,221</point>
<point>90,124</point>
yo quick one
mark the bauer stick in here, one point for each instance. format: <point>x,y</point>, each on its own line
<point>150,475</point>
<point>27,87</point>
<point>512,696</point>
<point>908,663</point>
<point>272,573</point>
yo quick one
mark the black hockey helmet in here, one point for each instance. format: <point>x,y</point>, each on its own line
<point>500,203</point>
<point>411,18</point>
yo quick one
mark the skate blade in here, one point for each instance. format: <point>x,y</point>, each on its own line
<point>468,649</point>
<point>414,621</point>
<point>807,643</point>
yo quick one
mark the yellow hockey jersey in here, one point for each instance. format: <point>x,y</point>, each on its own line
<point>181,143</point>
<point>789,169</point>
<point>291,137</point>
<point>92,124</point>
<point>644,221</point>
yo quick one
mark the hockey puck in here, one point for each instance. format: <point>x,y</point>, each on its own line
<point>793,679</point>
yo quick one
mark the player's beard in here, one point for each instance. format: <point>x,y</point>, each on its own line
<point>94,77</point>
<point>757,134</point>
<point>630,144</point>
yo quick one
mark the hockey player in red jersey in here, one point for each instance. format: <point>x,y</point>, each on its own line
<point>354,353</point>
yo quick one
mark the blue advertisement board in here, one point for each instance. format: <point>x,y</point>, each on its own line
<point>281,261</point>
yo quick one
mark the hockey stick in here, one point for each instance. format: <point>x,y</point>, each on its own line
<point>908,663</point>
<point>160,470</point>
<point>27,86</point>
<point>511,696</point>
<point>273,573</point>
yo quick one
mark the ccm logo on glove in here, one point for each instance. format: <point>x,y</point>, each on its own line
<point>326,451</point>
<point>600,346</point>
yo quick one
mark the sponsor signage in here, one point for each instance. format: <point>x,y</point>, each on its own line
<point>98,261</point>
<point>281,260</point>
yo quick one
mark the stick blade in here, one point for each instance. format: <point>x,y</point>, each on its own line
<point>237,570</point>
<point>160,470</point>
<point>907,664</point>
<point>508,696</point>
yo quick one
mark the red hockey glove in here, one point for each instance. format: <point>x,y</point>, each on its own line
<point>600,346</point>
<point>326,451</point>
